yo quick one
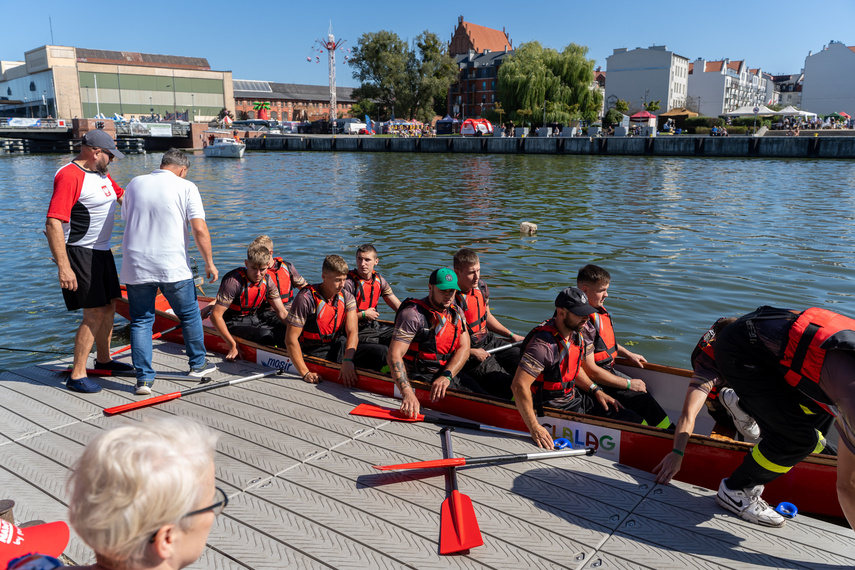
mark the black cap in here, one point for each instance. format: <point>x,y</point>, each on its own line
<point>574,301</point>
<point>99,139</point>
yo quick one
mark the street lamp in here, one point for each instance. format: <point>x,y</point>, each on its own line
<point>151,105</point>
<point>193,105</point>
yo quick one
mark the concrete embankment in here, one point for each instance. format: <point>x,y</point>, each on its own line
<point>767,147</point>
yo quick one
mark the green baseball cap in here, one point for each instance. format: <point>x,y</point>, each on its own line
<point>444,278</point>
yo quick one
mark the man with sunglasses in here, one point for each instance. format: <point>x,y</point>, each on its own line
<point>78,228</point>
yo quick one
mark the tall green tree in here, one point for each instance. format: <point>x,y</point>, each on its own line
<point>652,106</point>
<point>535,75</point>
<point>406,78</point>
<point>622,106</point>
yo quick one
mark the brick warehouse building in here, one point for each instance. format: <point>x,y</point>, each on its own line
<point>478,52</point>
<point>290,101</point>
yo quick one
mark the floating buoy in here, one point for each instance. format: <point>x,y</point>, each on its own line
<point>528,228</point>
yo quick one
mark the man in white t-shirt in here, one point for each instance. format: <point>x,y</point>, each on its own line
<point>157,209</point>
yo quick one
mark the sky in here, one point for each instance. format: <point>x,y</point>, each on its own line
<point>270,40</point>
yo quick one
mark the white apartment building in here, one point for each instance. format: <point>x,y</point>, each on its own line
<point>789,89</point>
<point>829,80</point>
<point>718,87</point>
<point>642,75</point>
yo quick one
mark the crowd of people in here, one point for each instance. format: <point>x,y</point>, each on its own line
<point>778,374</point>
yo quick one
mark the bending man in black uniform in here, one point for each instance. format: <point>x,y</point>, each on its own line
<point>792,372</point>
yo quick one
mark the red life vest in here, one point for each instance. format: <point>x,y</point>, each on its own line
<point>250,297</point>
<point>282,277</point>
<point>560,379</point>
<point>435,344</point>
<point>811,336</point>
<point>323,326</point>
<point>367,291</point>
<point>474,307</point>
<point>605,346</point>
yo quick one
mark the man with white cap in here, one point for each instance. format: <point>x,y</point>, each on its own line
<point>78,228</point>
<point>550,369</point>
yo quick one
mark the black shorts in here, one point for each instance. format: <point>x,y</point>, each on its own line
<point>97,278</point>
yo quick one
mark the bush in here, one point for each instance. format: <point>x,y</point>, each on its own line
<point>702,130</point>
<point>731,130</point>
<point>613,117</point>
<point>709,122</point>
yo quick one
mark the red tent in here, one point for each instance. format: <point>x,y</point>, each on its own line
<point>642,117</point>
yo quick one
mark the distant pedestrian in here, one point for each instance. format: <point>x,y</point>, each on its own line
<point>157,210</point>
<point>78,228</point>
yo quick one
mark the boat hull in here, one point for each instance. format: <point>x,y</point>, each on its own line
<point>225,151</point>
<point>810,485</point>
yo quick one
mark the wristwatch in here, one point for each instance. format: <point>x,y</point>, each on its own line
<point>595,388</point>
<point>446,373</point>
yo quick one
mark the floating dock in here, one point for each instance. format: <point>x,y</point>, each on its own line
<point>303,494</point>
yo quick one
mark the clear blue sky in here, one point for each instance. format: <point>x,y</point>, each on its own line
<point>271,40</point>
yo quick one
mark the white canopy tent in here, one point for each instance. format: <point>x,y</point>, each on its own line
<point>748,110</point>
<point>793,112</point>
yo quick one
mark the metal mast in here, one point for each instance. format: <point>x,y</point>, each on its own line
<point>331,46</point>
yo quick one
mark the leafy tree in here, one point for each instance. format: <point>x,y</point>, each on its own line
<point>612,117</point>
<point>534,75</point>
<point>406,78</point>
<point>622,106</point>
<point>224,113</point>
<point>363,107</point>
<point>653,106</point>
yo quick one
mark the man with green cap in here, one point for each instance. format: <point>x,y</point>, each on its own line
<point>430,343</point>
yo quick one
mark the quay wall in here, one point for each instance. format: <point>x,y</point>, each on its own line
<point>732,147</point>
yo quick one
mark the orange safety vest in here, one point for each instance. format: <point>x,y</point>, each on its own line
<point>435,344</point>
<point>367,291</point>
<point>605,345</point>
<point>282,276</point>
<point>475,312</point>
<point>560,379</point>
<point>811,336</point>
<point>251,296</point>
<point>323,326</point>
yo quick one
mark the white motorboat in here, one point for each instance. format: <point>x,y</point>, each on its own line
<point>224,147</point>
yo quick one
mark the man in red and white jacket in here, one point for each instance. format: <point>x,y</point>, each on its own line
<point>78,227</point>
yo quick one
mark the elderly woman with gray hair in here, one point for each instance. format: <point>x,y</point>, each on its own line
<point>143,496</point>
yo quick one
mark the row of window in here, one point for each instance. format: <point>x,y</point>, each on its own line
<point>291,104</point>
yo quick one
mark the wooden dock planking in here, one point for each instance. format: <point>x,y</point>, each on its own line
<point>303,494</point>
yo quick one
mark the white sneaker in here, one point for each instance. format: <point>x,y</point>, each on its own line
<point>748,505</point>
<point>203,371</point>
<point>743,422</point>
<point>143,388</point>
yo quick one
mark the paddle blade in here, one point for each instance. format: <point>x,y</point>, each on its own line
<point>458,529</point>
<point>372,411</point>
<point>141,404</point>
<point>450,462</point>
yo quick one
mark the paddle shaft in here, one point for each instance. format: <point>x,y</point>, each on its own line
<point>155,336</point>
<point>492,460</point>
<point>503,347</point>
<point>372,411</point>
<point>132,374</point>
<point>175,395</point>
<point>475,426</point>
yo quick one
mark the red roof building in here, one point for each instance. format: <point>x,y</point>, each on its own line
<point>480,39</point>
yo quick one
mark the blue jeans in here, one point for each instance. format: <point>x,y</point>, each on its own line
<point>182,298</point>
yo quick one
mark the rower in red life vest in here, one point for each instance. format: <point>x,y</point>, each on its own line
<point>322,324</point>
<point>237,308</point>
<point>368,287</point>
<point>550,371</point>
<point>430,343</point>
<point>494,373</point>
<point>599,331</point>
<point>706,387</point>
<point>793,372</point>
<point>285,276</point>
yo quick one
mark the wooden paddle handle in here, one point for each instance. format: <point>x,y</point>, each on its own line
<point>141,404</point>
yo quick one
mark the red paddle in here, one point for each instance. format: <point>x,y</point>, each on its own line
<point>458,530</point>
<point>155,336</point>
<point>372,411</point>
<point>175,395</point>
<point>493,460</point>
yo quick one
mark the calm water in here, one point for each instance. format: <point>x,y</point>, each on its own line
<point>686,240</point>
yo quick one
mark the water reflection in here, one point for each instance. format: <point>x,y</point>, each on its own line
<point>686,240</point>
